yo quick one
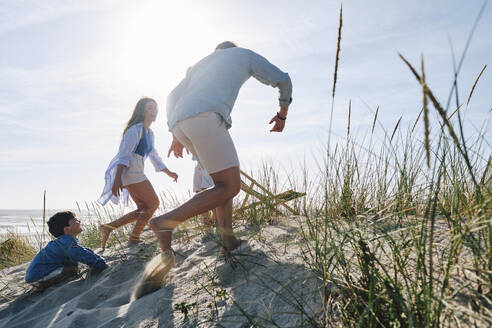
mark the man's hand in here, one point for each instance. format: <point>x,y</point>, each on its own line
<point>176,148</point>
<point>279,122</point>
<point>278,126</point>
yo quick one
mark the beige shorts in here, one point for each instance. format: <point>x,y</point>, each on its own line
<point>207,138</point>
<point>135,172</point>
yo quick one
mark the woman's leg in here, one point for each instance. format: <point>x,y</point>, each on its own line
<point>147,201</point>
<point>106,229</point>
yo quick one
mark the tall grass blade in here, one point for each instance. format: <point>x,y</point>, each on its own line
<point>335,74</point>
<point>474,84</point>
<point>443,115</point>
<point>467,45</point>
<point>375,118</point>
<point>349,114</point>
<point>396,128</point>
<point>426,114</point>
<point>417,120</point>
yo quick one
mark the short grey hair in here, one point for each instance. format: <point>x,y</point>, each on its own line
<point>225,45</point>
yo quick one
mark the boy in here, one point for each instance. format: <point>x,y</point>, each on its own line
<point>58,261</point>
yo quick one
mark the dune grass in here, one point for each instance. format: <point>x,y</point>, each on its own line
<point>398,232</point>
<point>392,241</point>
<point>15,249</point>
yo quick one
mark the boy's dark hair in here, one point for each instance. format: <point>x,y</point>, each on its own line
<point>59,221</point>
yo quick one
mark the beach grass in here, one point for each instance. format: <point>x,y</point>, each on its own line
<point>391,240</point>
<point>398,231</point>
<point>15,249</point>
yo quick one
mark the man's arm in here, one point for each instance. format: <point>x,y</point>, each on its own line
<point>269,74</point>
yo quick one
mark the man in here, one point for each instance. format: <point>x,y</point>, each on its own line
<point>198,113</point>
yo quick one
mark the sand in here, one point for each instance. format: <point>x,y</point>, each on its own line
<point>264,284</point>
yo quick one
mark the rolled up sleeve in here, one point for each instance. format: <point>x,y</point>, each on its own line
<point>269,74</point>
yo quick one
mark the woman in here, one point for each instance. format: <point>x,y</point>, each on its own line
<point>126,172</point>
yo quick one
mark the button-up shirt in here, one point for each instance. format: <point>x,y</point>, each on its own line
<point>213,84</point>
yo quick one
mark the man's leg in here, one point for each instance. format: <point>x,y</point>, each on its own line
<point>224,219</point>
<point>227,185</point>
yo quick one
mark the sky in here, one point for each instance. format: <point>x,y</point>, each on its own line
<point>72,71</point>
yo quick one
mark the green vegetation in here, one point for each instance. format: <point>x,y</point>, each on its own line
<point>14,250</point>
<point>398,231</point>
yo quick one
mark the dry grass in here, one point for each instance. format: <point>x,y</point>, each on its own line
<point>398,235</point>
<point>15,249</point>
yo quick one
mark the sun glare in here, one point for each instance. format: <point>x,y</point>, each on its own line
<point>162,40</point>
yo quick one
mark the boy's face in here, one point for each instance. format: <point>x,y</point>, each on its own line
<point>73,227</point>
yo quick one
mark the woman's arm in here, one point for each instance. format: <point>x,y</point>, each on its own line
<point>118,184</point>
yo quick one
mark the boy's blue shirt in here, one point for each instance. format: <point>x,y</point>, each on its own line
<point>64,250</point>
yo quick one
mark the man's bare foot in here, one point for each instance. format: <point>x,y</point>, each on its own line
<point>105,230</point>
<point>232,244</point>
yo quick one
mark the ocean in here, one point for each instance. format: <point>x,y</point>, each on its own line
<point>30,222</point>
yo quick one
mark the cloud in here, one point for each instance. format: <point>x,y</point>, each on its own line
<point>15,14</point>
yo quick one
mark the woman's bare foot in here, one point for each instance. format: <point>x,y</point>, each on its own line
<point>134,241</point>
<point>105,232</point>
<point>207,219</point>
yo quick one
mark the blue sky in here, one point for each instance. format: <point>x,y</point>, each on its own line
<point>71,72</point>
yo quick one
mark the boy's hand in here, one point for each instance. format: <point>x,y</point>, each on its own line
<point>171,174</point>
<point>117,186</point>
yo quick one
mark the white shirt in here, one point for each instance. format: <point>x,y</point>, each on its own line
<point>128,144</point>
<point>201,179</point>
<point>213,84</point>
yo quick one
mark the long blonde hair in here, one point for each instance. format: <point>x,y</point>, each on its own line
<point>138,114</point>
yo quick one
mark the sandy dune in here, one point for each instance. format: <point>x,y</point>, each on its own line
<point>266,285</point>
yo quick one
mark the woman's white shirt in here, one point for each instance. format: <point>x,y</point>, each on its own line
<point>128,145</point>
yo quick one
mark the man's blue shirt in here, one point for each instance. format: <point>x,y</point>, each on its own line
<point>64,250</point>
